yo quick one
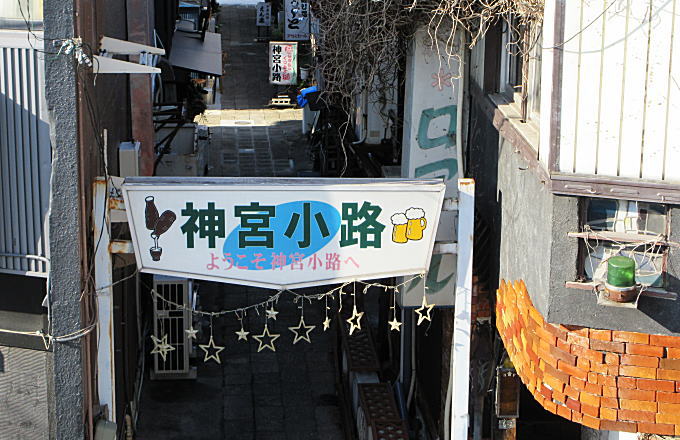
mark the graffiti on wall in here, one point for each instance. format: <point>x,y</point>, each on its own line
<point>447,168</point>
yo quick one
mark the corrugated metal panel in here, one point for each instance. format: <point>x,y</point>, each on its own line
<point>23,394</point>
<point>620,90</point>
<point>25,156</point>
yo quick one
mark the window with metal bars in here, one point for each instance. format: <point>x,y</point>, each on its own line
<point>638,230</point>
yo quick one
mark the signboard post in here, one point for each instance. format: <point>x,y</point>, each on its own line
<point>296,25</point>
<point>432,148</point>
<point>282,62</point>
<point>283,233</point>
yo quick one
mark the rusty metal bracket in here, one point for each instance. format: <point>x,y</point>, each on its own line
<point>121,247</point>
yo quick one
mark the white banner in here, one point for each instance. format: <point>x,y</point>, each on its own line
<point>283,232</point>
<point>263,15</point>
<point>282,62</point>
<point>296,25</point>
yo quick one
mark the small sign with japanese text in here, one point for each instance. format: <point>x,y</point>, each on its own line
<point>296,26</point>
<point>282,232</point>
<point>282,62</point>
<point>263,15</point>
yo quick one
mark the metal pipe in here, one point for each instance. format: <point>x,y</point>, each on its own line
<point>32,257</point>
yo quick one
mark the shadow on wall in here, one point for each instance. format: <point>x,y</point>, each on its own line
<point>664,311</point>
<point>2,362</point>
<point>25,167</point>
<point>482,165</point>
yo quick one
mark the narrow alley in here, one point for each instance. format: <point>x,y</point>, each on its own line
<point>286,394</point>
<point>339,220</point>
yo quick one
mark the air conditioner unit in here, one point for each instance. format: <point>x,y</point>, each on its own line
<point>183,138</point>
<point>359,362</point>
<point>172,306</point>
<point>188,150</point>
<point>105,430</point>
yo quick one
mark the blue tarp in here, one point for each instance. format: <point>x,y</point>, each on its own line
<point>302,97</point>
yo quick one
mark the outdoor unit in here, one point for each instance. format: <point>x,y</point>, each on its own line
<point>188,150</point>
<point>170,321</point>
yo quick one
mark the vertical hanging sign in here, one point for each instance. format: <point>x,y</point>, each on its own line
<point>296,26</point>
<point>264,14</point>
<point>432,148</point>
<point>282,62</point>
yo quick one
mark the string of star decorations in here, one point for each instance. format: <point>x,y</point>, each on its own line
<point>301,332</point>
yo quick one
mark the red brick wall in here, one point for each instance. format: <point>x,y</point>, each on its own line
<point>604,379</point>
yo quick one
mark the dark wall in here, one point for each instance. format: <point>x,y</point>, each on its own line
<point>21,310</point>
<point>517,205</point>
<point>166,15</point>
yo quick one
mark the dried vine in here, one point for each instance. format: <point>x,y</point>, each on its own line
<point>362,40</point>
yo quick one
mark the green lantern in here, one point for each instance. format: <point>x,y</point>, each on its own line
<point>621,271</point>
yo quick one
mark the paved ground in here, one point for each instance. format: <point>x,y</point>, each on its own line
<point>284,395</point>
<point>248,138</point>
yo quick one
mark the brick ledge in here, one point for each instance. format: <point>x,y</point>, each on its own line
<point>603,379</point>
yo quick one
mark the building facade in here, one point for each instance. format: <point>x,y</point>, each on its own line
<point>77,80</point>
<point>575,170</point>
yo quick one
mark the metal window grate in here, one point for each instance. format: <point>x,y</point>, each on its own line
<point>172,322</point>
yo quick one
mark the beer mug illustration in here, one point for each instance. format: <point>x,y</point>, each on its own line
<point>399,224</point>
<point>416,223</point>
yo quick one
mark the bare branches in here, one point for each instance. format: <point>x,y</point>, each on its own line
<point>362,40</point>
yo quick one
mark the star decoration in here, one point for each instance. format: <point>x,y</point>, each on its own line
<point>355,320</point>
<point>161,346</point>
<point>270,343</point>
<point>302,331</point>
<point>424,307</point>
<point>242,334</point>
<point>191,332</point>
<point>394,324</point>
<point>326,323</point>
<point>208,347</point>
<point>271,313</point>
